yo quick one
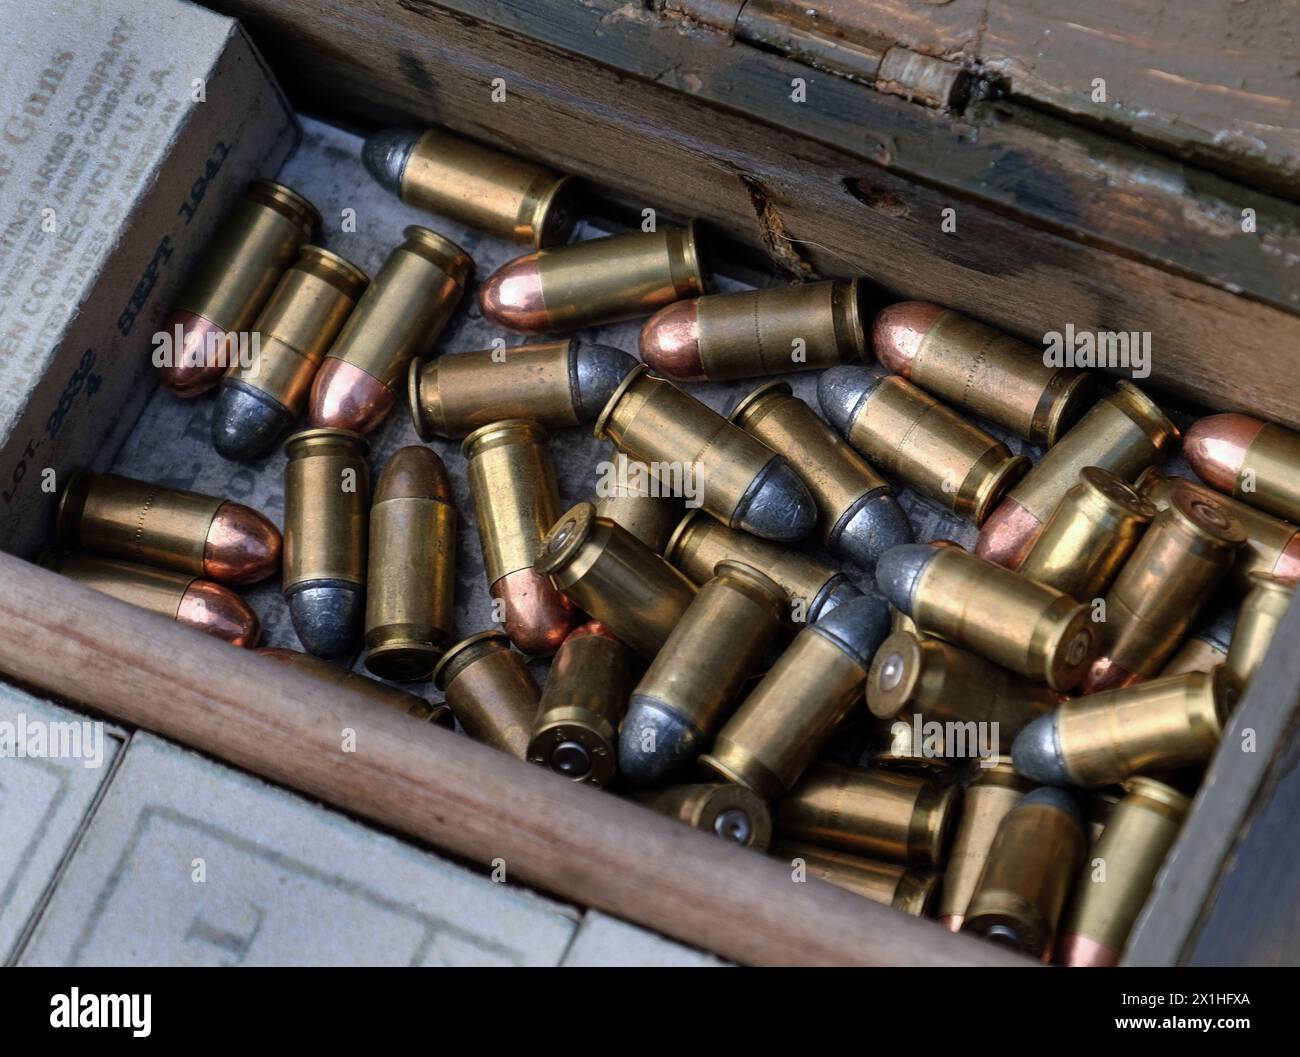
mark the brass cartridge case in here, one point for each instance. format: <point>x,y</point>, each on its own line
<point>634,499</point>
<point>684,696</point>
<point>516,499</point>
<point>857,515</point>
<point>487,189</point>
<point>1255,461</point>
<point>731,812</point>
<point>1173,571</point>
<point>576,730</point>
<point>1261,614</point>
<point>1152,727</point>
<point>490,691</point>
<point>946,684</point>
<point>400,316</point>
<point>1089,536</point>
<point>326,517</point>
<point>262,398</point>
<point>266,230</point>
<point>813,588</point>
<point>1034,630</point>
<point>910,435</point>
<point>988,800</point>
<point>597,281</point>
<point>1272,545</point>
<point>149,524</point>
<point>435,712</point>
<point>887,883</point>
<point>615,578</point>
<point>198,604</point>
<point>777,732</point>
<point>897,745</point>
<point>1030,870</point>
<point>808,326</point>
<point>411,577</point>
<point>554,383</point>
<point>981,370</point>
<point>741,481</point>
<point>1116,881</point>
<point>1123,433</point>
<point>878,814</point>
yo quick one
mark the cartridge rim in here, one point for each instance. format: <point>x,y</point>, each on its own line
<point>996,485</point>
<point>1204,515</point>
<point>916,893</point>
<point>693,259</point>
<point>583,729</point>
<point>750,404</point>
<point>325,432</point>
<point>858,319</point>
<point>406,660</point>
<point>423,430</point>
<point>541,220</point>
<point>565,539</point>
<point>524,431</point>
<point>721,800</point>
<point>887,701</point>
<point>1160,792</point>
<point>72,503</point>
<point>756,581</point>
<point>440,674</point>
<point>440,250</point>
<point>351,279</point>
<point>679,534</point>
<point>1146,412</point>
<point>1068,406</point>
<point>639,371</point>
<point>284,199</point>
<point>1117,493</point>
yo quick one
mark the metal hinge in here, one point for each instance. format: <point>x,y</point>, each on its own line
<point>777,25</point>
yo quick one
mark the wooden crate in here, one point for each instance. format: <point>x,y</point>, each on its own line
<point>1123,215</point>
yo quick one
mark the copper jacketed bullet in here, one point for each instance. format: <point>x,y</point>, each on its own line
<point>1173,571</point>
<point>731,812</point>
<point>516,500</point>
<point>980,370</point>
<point>1034,630</point>
<point>881,882</point>
<point>478,185</point>
<point>1261,615</point>
<point>685,695</point>
<point>198,604</point>
<point>1029,874</point>
<point>400,316</point>
<point>909,434</point>
<point>1123,433</point>
<point>857,514</point>
<point>1138,835</point>
<point>598,281</point>
<point>1092,532</point>
<point>411,579</point>
<point>814,588</point>
<point>615,578</point>
<point>555,384</point>
<point>996,789</point>
<point>435,712</point>
<point>753,333</point>
<point>875,813</point>
<point>261,399</point>
<point>781,726</point>
<point>738,479</point>
<point>1103,738</point>
<point>238,271</point>
<point>631,496</point>
<point>490,691</point>
<point>1272,545</point>
<point>326,516</point>
<point>1255,461</point>
<point>151,525</point>
<point>576,730</point>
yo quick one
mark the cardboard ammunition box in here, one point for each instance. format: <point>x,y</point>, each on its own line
<point>127,129</point>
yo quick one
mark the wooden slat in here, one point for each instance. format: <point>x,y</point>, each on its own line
<point>1229,893</point>
<point>435,786</point>
<point>1079,236</point>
